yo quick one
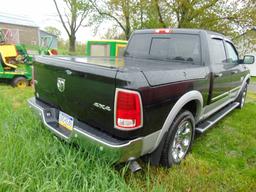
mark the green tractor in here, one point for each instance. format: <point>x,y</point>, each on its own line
<point>15,65</point>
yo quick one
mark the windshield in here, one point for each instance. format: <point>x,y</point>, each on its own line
<point>175,47</point>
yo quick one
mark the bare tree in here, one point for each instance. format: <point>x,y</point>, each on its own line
<point>73,17</point>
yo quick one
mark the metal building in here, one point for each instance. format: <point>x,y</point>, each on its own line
<point>48,40</point>
<point>19,29</point>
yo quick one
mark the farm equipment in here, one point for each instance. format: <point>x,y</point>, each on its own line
<point>106,48</point>
<point>21,49</point>
<point>15,65</point>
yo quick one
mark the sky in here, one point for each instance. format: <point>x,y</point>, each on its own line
<point>43,13</point>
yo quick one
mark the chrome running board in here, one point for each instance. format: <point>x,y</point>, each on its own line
<point>205,125</point>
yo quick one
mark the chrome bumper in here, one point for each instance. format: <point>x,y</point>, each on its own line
<point>116,150</point>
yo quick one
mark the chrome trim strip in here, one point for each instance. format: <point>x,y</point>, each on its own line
<point>220,96</point>
<point>236,88</point>
<point>226,93</point>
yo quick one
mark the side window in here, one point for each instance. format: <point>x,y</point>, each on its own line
<point>232,56</point>
<point>218,51</point>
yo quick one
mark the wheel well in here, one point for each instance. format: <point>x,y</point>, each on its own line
<point>17,76</point>
<point>192,107</point>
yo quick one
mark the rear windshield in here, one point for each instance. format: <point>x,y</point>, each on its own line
<point>174,47</point>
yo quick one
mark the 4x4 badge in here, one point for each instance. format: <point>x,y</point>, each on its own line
<point>61,84</point>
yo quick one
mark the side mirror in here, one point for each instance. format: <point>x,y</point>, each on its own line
<point>248,59</point>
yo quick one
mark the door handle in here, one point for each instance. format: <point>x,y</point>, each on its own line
<point>218,75</point>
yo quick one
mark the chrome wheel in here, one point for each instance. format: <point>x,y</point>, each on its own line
<point>243,97</point>
<point>182,140</point>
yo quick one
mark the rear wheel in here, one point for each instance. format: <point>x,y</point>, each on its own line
<point>20,82</point>
<point>179,139</point>
<point>242,97</point>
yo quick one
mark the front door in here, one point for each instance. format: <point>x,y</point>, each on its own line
<point>226,71</point>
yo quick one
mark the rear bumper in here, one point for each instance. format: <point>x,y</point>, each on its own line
<point>83,134</point>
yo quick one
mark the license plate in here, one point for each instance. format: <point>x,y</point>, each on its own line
<point>66,120</point>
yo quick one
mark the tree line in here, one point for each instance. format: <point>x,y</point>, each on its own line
<point>229,17</point>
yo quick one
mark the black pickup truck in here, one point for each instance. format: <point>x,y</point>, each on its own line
<point>170,84</point>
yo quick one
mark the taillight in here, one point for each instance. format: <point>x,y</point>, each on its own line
<point>163,31</point>
<point>128,110</point>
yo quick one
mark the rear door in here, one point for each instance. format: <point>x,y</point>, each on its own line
<point>226,70</point>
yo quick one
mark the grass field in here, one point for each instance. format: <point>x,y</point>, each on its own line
<point>253,79</point>
<point>32,159</point>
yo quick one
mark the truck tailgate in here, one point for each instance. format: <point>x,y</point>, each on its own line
<point>82,87</point>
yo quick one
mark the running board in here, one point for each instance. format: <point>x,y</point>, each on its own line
<point>205,125</point>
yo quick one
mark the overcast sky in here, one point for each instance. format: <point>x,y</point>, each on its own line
<point>43,13</point>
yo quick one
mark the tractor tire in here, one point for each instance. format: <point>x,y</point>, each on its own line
<point>20,82</point>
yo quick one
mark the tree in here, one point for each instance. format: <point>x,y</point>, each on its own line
<point>230,17</point>
<point>74,15</point>
<point>118,11</point>
<point>53,30</point>
<point>113,33</point>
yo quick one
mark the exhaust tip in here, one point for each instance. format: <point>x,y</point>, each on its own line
<point>134,166</point>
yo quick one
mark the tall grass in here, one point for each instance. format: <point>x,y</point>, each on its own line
<point>32,159</point>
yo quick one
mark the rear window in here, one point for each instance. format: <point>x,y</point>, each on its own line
<point>175,47</point>
<point>156,44</point>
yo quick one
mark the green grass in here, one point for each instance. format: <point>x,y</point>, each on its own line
<point>253,79</point>
<point>32,159</point>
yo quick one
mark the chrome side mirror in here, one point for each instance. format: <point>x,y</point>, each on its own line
<point>248,59</point>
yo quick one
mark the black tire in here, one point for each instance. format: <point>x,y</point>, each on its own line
<point>172,144</point>
<point>242,96</point>
<point>20,82</point>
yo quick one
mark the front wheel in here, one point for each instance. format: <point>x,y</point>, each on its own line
<point>20,82</point>
<point>242,96</point>
<point>179,139</point>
